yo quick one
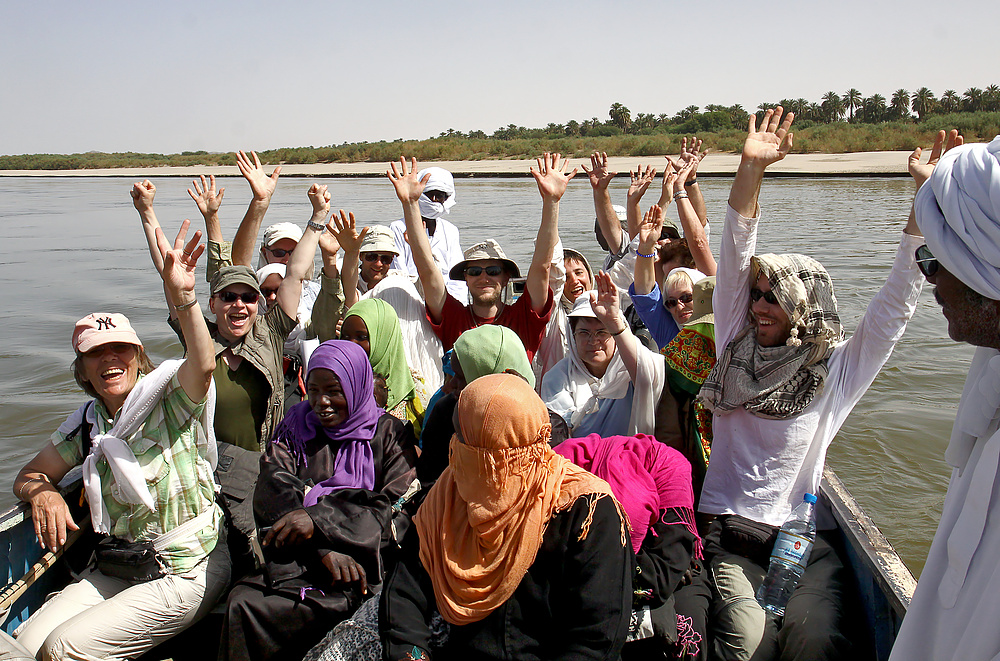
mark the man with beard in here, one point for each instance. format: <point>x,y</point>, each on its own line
<point>486,269</point>
<point>436,201</point>
<point>953,611</point>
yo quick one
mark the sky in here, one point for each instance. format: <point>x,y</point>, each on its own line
<point>177,76</point>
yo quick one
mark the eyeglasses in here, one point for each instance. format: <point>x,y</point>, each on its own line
<point>248,297</point>
<point>278,252</point>
<point>475,271</point>
<point>683,298</point>
<point>438,196</point>
<point>375,257</point>
<point>757,294</point>
<point>584,336</point>
<point>926,262</point>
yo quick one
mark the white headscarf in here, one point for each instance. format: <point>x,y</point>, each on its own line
<point>958,211</point>
<point>440,180</point>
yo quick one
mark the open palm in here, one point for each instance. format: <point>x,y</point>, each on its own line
<point>772,142</point>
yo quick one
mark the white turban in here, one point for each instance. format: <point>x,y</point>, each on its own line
<point>270,269</point>
<point>958,211</point>
<point>440,179</point>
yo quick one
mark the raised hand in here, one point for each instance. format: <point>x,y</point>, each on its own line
<point>599,174</point>
<point>693,153</point>
<point>261,185</point>
<point>605,302</point>
<point>639,182</point>
<point>551,176</point>
<point>345,569</point>
<point>404,180</point>
<point>772,142</point>
<point>319,197</point>
<point>667,185</point>
<point>686,171</point>
<point>942,143</point>
<point>143,193</point>
<point>292,529</point>
<point>343,229</point>
<point>649,229</point>
<point>179,262</point>
<point>206,196</point>
<point>328,243</point>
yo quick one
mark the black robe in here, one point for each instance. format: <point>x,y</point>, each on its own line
<point>285,610</point>
<point>573,603</point>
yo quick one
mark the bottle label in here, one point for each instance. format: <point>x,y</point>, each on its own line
<point>791,548</point>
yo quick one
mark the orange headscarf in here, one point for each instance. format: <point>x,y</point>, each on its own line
<point>482,523</point>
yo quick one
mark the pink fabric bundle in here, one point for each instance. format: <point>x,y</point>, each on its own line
<point>646,476</point>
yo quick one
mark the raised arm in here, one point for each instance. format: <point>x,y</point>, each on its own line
<point>195,375</point>
<point>552,179</point>
<point>408,189</point>
<point>694,230</point>
<point>262,187</point>
<point>638,185</point>
<point>329,305</point>
<point>768,145</point>
<point>209,199</point>
<point>694,154</point>
<point>143,193</point>
<point>607,220</point>
<point>605,305</point>
<point>645,261</point>
<point>921,172</point>
<point>302,257</point>
<point>350,241</point>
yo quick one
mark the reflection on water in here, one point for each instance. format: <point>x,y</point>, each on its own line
<point>73,246</point>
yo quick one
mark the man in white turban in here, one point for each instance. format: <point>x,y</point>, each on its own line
<point>435,202</point>
<point>953,614</point>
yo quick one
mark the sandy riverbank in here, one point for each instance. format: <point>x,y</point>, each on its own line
<point>884,163</point>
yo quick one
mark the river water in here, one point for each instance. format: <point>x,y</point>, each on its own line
<point>72,246</point>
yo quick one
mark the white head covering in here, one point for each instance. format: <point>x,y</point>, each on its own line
<point>270,269</point>
<point>958,211</point>
<point>440,180</point>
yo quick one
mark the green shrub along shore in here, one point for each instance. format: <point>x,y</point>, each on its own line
<point>722,129</point>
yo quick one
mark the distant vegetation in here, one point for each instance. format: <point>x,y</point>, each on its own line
<point>837,124</point>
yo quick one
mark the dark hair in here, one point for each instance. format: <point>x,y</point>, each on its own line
<point>676,250</point>
<point>145,367</point>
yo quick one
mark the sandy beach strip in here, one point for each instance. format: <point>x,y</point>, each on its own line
<point>860,164</point>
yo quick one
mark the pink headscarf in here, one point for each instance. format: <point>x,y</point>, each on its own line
<point>647,477</point>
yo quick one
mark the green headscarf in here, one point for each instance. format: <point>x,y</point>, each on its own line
<point>492,349</point>
<point>387,356</point>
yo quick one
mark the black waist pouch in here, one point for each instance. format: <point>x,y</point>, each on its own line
<point>131,561</point>
<point>748,538</point>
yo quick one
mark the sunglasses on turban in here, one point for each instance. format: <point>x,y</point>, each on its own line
<point>757,294</point>
<point>438,196</point>
<point>926,261</point>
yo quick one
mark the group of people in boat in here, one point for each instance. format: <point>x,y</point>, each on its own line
<point>595,470</point>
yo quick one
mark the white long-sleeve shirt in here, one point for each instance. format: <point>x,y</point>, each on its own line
<point>761,468</point>
<point>446,249</point>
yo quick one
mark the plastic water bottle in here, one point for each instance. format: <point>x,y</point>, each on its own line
<point>789,557</point>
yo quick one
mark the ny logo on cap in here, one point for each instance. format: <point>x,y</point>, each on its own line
<point>105,323</point>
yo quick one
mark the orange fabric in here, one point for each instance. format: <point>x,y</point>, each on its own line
<point>481,524</point>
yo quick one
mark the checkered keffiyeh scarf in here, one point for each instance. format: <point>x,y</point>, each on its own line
<point>780,382</point>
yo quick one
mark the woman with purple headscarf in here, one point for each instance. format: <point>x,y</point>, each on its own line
<point>328,480</point>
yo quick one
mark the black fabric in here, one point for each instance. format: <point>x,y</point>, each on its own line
<point>131,561</point>
<point>748,538</point>
<point>236,475</point>
<point>574,602</point>
<point>287,608</point>
<point>84,430</point>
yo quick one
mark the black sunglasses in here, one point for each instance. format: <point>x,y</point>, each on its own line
<point>438,196</point>
<point>926,261</point>
<point>757,294</point>
<point>278,252</point>
<point>375,257</point>
<point>248,297</point>
<point>475,271</point>
<point>683,298</point>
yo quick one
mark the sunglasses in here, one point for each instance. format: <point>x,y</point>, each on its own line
<point>674,302</point>
<point>375,257</point>
<point>475,271</point>
<point>438,196</point>
<point>278,252</point>
<point>926,262</point>
<point>757,294</point>
<point>248,297</point>
<point>266,292</point>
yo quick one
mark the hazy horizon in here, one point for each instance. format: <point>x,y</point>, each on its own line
<point>181,76</point>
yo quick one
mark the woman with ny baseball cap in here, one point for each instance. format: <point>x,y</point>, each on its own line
<point>147,446</point>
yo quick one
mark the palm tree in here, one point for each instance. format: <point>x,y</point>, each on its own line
<point>950,101</point>
<point>991,98</point>
<point>900,104</point>
<point>972,99</point>
<point>738,116</point>
<point>874,107</point>
<point>853,100</point>
<point>620,116</point>
<point>833,108</point>
<point>923,102</point>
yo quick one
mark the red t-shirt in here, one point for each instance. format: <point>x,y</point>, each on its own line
<point>519,317</point>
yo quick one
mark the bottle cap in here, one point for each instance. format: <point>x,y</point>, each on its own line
<point>809,498</point>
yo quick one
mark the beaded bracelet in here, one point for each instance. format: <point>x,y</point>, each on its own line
<point>319,227</point>
<point>649,256</point>
<point>680,194</point>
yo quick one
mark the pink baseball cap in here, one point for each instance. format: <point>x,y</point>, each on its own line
<point>103,328</point>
